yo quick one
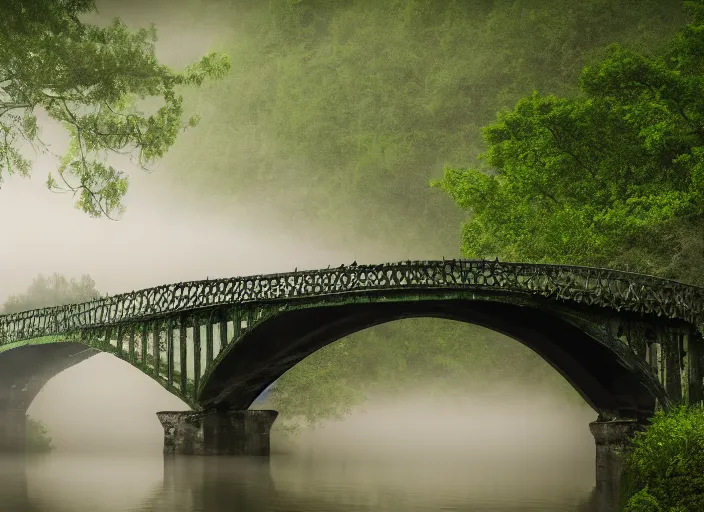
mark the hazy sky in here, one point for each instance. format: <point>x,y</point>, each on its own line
<point>163,237</point>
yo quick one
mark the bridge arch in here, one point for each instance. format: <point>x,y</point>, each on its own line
<point>27,366</point>
<point>611,378</point>
<point>24,371</point>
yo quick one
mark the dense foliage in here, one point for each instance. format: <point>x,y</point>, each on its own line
<point>613,176</point>
<point>90,79</point>
<point>38,439</point>
<point>340,112</point>
<point>664,470</point>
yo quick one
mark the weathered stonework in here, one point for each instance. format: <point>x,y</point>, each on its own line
<point>612,440</point>
<point>217,432</point>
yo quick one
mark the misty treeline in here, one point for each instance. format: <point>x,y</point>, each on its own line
<point>338,113</point>
<point>53,290</point>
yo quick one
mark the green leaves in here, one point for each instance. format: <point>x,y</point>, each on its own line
<point>585,178</point>
<point>92,80</point>
<point>373,98</point>
<point>38,440</point>
<point>669,457</point>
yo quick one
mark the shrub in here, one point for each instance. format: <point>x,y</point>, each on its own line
<point>665,469</point>
<point>38,439</point>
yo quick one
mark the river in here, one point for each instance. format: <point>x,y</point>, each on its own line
<point>519,451</point>
<point>93,483</point>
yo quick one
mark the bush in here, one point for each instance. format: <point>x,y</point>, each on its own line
<point>642,501</point>
<point>38,439</point>
<point>665,469</point>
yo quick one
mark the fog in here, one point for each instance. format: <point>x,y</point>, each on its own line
<point>513,445</point>
<point>410,452</point>
<point>514,425</point>
<point>168,234</point>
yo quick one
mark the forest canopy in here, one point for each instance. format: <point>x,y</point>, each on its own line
<point>339,113</point>
<point>612,176</point>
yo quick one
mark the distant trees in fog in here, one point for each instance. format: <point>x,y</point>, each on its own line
<point>55,290</point>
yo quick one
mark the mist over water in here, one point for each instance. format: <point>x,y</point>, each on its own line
<point>515,448</point>
<point>511,422</point>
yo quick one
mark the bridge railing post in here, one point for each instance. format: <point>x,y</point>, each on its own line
<point>197,354</point>
<point>673,371</point>
<point>695,361</point>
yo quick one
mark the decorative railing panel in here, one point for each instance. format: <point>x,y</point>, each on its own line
<point>601,287</point>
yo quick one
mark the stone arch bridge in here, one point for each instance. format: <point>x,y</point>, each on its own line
<point>626,342</point>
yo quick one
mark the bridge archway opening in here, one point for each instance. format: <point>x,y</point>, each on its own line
<point>481,415</point>
<point>608,381</point>
<point>89,400</point>
<point>424,356</point>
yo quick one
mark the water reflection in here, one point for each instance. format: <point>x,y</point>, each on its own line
<point>294,483</point>
<point>13,485</point>
<point>62,483</point>
<point>67,482</point>
<point>212,484</point>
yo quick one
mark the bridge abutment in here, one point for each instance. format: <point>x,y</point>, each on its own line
<point>612,439</point>
<point>217,432</point>
<point>13,428</point>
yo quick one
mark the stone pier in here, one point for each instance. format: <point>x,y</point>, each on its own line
<point>612,442</point>
<point>217,432</point>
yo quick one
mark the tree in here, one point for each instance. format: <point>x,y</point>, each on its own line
<point>90,80</point>
<point>38,439</point>
<point>613,176</point>
<point>55,290</point>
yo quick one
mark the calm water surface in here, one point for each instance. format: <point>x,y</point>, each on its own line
<point>91,483</point>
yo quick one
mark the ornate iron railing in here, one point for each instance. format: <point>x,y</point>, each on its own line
<point>594,286</point>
